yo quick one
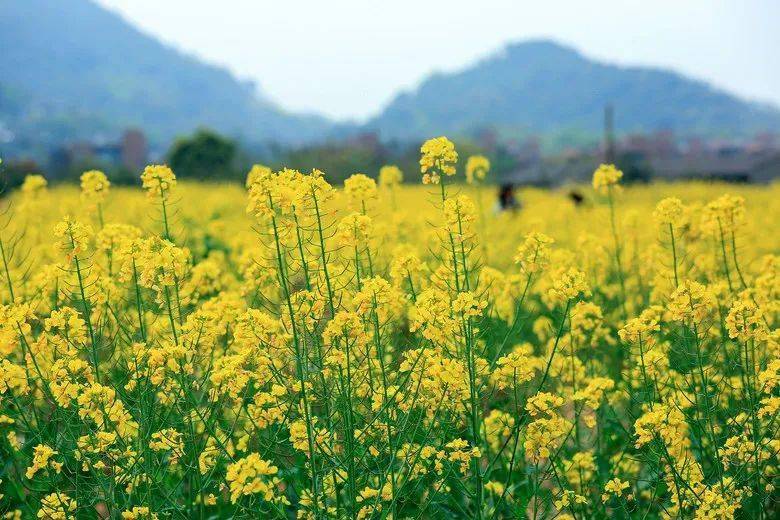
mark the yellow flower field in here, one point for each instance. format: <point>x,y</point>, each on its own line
<point>292,349</point>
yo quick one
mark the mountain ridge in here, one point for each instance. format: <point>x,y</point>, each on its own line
<point>513,87</point>
<point>104,73</point>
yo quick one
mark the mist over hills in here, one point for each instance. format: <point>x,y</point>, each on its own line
<point>73,70</point>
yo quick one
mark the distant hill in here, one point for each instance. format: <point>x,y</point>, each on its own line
<point>72,69</point>
<point>543,87</point>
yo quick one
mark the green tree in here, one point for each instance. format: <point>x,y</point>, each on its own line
<point>205,155</point>
<point>12,174</point>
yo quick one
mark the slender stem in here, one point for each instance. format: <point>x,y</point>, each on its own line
<point>87,312</point>
<point>725,259</point>
<point>674,255</point>
<point>618,252</point>
<point>7,270</point>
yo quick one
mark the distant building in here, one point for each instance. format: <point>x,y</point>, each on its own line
<point>365,140</point>
<point>656,159</point>
<point>134,150</point>
<point>130,152</point>
<point>487,138</point>
<point>555,171</point>
<point>658,144</point>
<point>735,165</point>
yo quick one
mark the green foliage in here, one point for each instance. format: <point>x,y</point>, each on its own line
<point>635,168</point>
<point>12,174</point>
<point>205,155</point>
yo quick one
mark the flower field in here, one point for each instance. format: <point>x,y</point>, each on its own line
<point>388,349</point>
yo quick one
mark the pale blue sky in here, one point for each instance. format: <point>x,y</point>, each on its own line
<point>347,58</point>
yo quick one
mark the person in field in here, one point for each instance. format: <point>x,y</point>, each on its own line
<point>506,199</point>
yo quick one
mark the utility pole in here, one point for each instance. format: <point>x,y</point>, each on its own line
<point>609,134</point>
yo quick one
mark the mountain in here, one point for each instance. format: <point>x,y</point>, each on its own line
<point>543,87</point>
<point>72,69</point>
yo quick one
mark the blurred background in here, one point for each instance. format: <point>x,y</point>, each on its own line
<point>666,89</point>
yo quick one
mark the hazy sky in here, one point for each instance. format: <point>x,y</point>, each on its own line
<point>347,58</point>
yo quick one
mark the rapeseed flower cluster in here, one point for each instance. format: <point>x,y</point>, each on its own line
<point>291,349</point>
